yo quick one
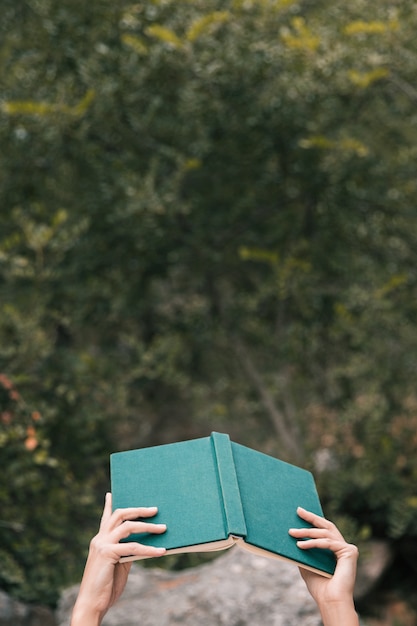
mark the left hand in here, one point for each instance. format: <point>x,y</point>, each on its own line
<point>335,592</point>
<point>104,577</point>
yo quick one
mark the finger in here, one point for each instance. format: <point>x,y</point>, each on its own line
<point>129,528</point>
<point>132,513</point>
<point>319,523</point>
<point>312,518</point>
<point>307,544</point>
<point>107,511</point>
<point>340,548</point>
<point>312,532</point>
<point>138,549</point>
<point>309,533</point>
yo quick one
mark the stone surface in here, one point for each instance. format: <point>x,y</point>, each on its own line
<point>236,589</point>
<point>13,613</point>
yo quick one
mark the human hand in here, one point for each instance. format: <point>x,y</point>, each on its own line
<point>334,596</point>
<point>104,577</point>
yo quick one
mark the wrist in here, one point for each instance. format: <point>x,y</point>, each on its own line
<point>339,613</point>
<point>85,616</point>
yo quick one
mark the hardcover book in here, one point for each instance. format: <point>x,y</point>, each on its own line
<point>213,493</point>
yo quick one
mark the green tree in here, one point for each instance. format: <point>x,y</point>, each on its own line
<point>208,223</point>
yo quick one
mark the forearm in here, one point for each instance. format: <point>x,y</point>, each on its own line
<point>339,614</point>
<point>84,616</point>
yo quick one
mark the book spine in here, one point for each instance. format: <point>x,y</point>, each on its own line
<point>235,520</point>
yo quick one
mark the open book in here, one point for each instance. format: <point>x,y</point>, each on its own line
<point>213,493</point>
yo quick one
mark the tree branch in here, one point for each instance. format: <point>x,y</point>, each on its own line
<point>287,433</point>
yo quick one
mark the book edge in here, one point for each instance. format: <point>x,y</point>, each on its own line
<point>225,544</point>
<point>212,546</point>
<point>241,543</point>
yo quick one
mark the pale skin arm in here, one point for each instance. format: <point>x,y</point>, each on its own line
<point>334,596</point>
<point>104,577</point>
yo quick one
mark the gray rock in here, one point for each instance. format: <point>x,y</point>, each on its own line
<point>14,613</point>
<point>236,589</point>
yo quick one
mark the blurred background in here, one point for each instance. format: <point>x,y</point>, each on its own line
<point>207,223</point>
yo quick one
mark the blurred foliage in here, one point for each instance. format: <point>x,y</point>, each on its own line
<point>208,222</point>
<point>41,505</point>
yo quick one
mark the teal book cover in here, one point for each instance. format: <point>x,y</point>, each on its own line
<point>213,493</point>
<point>271,490</point>
<point>182,480</point>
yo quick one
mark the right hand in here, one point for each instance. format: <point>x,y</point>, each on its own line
<point>104,577</point>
